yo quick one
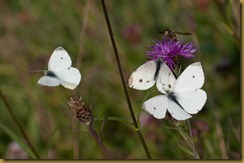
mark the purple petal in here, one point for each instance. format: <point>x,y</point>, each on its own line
<point>166,50</point>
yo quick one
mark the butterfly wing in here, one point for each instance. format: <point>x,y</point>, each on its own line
<point>48,81</point>
<point>166,79</point>
<point>143,77</point>
<point>59,60</point>
<point>177,112</point>
<point>156,106</point>
<point>192,100</point>
<point>191,78</point>
<point>69,77</point>
<point>187,91</point>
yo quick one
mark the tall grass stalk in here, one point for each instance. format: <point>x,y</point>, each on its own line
<point>18,124</point>
<point>123,81</point>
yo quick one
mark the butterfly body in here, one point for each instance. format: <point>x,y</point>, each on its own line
<point>171,96</point>
<point>158,66</point>
<point>60,71</point>
<point>50,74</point>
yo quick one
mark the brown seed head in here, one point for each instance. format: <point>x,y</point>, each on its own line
<point>81,112</point>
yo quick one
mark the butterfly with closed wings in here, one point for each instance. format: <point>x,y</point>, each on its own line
<point>182,97</point>
<point>146,75</point>
<point>60,71</point>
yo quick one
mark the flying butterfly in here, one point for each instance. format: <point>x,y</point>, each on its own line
<point>60,71</point>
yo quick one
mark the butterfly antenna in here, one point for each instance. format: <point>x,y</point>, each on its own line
<point>46,66</point>
<point>39,70</point>
<point>36,71</point>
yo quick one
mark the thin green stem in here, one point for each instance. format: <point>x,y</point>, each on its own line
<point>143,143</point>
<point>188,137</point>
<point>94,134</point>
<point>17,122</point>
<point>123,80</point>
<point>221,6</point>
<point>196,156</point>
<point>119,64</point>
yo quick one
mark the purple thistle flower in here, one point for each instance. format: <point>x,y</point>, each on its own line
<point>167,51</point>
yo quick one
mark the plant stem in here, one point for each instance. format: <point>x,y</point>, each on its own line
<point>196,156</point>
<point>94,134</point>
<point>123,80</point>
<point>118,63</point>
<point>16,121</point>
<point>188,137</point>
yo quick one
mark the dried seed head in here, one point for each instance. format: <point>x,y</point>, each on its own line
<point>81,112</point>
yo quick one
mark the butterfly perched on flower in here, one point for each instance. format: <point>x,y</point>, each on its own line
<point>181,97</point>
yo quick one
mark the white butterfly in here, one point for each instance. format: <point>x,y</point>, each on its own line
<point>182,97</point>
<point>60,71</point>
<point>147,74</point>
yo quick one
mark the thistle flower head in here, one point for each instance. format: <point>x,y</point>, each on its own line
<point>167,51</point>
<point>81,112</point>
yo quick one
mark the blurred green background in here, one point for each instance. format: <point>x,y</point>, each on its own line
<point>30,31</point>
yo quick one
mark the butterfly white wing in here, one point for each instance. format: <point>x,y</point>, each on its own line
<point>69,77</point>
<point>48,81</point>
<point>156,106</point>
<point>185,89</point>
<point>143,77</point>
<point>166,79</point>
<point>177,112</point>
<point>59,60</point>
<point>192,100</point>
<point>191,78</point>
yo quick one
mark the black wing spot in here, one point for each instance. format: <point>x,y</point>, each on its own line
<point>140,80</point>
<point>148,81</point>
<point>193,76</point>
<point>154,108</point>
<point>61,57</point>
<point>169,85</point>
<point>69,68</point>
<point>163,84</point>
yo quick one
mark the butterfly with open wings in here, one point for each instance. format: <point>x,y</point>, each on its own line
<point>181,97</point>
